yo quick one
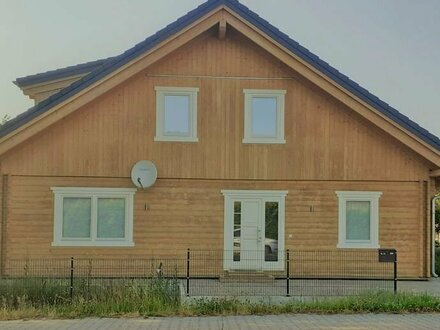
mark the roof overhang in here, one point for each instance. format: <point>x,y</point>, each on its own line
<point>41,91</point>
<point>435,174</point>
<point>59,74</point>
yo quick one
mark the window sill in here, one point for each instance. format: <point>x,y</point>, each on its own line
<point>175,139</point>
<point>263,141</point>
<point>357,246</point>
<point>82,244</point>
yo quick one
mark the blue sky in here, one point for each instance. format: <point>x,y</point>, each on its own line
<point>390,47</point>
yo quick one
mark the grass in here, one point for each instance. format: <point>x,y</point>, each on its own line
<point>161,297</point>
<point>34,298</point>
<point>379,302</point>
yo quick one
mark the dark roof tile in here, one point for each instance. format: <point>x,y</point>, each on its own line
<point>60,73</point>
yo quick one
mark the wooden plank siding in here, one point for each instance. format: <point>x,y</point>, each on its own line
<point>328,148</point>
<point>325,140</point>
<point>185,214</point>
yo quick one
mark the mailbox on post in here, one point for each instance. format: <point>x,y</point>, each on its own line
<point>387,255</point>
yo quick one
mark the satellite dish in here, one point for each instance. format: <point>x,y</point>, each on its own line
<point>144,174</point>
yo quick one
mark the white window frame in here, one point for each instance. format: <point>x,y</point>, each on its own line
<point>249,94</point>
<point>93,193</point>
<point>264,196</point>
<point>161,93</point>
<point>359,196</point>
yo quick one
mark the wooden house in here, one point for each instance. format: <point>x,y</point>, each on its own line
<point>259,146</point>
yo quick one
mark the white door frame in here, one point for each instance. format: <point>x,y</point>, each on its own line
<point>264,196</point>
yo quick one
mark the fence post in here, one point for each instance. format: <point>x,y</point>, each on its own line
<point>395,272</point>
<point>288,273</point>
<point>187,272</point>
<point>71,278</point>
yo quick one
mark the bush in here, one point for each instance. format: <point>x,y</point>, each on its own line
<point>437,261</point>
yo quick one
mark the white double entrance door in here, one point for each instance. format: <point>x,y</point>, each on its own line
<point>254,230</point>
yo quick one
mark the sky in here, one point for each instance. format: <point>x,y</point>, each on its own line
<point>390,47</point>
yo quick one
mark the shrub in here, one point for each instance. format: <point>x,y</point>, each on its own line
<point>437,261</point>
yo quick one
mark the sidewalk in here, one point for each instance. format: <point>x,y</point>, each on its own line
<point>281,322</point>
<point>431,287</point>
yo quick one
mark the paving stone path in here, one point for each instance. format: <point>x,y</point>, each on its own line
<point>299,321</point>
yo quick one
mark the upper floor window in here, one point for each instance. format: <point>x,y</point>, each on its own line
<point>264,116</point>
<point>176,114</point>
<point>358,219</point>
<point>93,216</point>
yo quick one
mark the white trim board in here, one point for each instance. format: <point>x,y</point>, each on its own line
<point>93,194</point>
<point>278,95</point>
<point>358,196</point>
<point>161,94</point>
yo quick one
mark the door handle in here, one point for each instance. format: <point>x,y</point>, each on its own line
<point>259,235</point>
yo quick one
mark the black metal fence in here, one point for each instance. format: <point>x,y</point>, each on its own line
<point>290,273</point>
<point>211,273</point>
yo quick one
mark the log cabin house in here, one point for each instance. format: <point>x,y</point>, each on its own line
<point>259,146</point>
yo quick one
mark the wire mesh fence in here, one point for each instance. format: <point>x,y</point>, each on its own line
<point>290,273</point>
<point>206,273</point>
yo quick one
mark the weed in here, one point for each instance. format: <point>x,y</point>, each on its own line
<point>36,298</point>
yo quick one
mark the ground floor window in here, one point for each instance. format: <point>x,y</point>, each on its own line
<point>358,219</point>
<point>93,216</point>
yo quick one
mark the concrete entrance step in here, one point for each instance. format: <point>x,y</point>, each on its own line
<point>246,276</point>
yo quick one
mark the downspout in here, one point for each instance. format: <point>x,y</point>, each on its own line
<point>433,207</point>
<point>4,215</point>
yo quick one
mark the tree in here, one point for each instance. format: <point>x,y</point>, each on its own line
<point>4,119</point>
<point>437,216</point>
<point>437,211</point>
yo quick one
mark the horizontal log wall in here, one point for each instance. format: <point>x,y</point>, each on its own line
<point>185,214</point>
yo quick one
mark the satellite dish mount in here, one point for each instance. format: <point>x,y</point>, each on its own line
<point>144,174</point>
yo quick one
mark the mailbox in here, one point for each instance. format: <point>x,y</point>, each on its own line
<point>387,255</point>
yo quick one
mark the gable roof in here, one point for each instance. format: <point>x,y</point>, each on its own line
<point>110,65</point>
<point>69,71</point>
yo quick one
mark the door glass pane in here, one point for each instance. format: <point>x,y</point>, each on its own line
<point>264,117</point>
<point>271,231</point>
<point>237,231</point>
<point>176,115</point>
<point>358,220</point>
<point>76,217</point>
<point>111,218</point>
